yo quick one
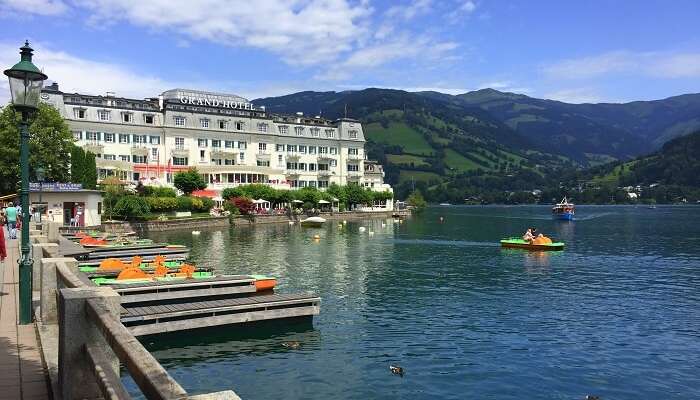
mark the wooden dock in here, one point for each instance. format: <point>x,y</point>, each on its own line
<point>154,319</point>
<point>128,254</point>
<point>159,291</point>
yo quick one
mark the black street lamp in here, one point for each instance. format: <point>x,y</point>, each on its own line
<point>40,176</point>
<point>26,81</point>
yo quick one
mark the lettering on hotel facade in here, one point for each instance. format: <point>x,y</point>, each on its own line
<point>230,140</point>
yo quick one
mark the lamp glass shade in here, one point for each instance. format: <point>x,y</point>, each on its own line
<point>25,91</point>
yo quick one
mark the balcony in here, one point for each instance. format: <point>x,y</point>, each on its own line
<point>180,151</point>
<point>262,156</point>
<point>292,156</point>
<point>292,173</point>
<point>219,152</point>
<point>354,157</point>
<point>355,174</point>
<point>325,157</point>
<point>94,147</point>
<point>324,172</point>
<point>139,150</point>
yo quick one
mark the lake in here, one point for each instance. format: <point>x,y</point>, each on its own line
<point>617,314</point>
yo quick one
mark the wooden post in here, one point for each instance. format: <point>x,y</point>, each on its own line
<point>76,377</point>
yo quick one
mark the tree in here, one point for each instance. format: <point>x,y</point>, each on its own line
<point>356,194</point>
<point>189,181</point>
<point>417,201</point>
<point>77,163</point>
<point>49,146</point>
<point>89,180</point>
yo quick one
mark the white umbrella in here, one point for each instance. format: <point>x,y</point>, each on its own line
<point>297,201</point>
<point>259,201</point>
<point>323,202</point>
<point>335,200</point>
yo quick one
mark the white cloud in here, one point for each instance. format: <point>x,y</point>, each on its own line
<point>38,7</point>
<point>461,10</point>
<point>577,95</point>
<point>75,74</point>
<point>468,6</point>
<point>301,32</point>
<point>657,64</point>
<point>415,8</point>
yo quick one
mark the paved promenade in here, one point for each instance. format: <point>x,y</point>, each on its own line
<point>22,375</point>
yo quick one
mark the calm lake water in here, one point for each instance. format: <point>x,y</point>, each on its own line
<point>617,314</point>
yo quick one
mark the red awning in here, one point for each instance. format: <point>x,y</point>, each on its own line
<point>205,193</point>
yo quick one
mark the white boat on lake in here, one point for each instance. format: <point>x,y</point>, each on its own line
<point>312,221</point>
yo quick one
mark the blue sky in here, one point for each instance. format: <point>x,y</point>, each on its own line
<point>575,51</point>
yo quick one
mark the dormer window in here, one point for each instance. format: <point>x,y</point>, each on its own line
<point>103,115</point>
<point>262,127</point>
<point>299,130</point>
<point>204,123</point>
<point>330,133</point>
<point>127,117</point>
<point>148,119</point>
<point>79,113</point>
<point>352,134</point>
<point>179,120</point>
<point>239,126</point>
<point>223,124</point>
<point>315,132</point>
<point>284,129</point>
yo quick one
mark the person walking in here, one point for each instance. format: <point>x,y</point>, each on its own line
<point>11,215</point>
<point>3,249</point>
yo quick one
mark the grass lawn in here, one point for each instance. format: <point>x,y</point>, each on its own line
<point>458,162</point>
<point>398,133</point>
<point>418,176</point>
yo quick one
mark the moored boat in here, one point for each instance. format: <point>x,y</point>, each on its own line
<point>564,210</point>
<point>518,243</point>
<point>313,221</point>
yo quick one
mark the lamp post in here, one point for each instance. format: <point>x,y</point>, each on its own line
<point>26,81</point>
<point>40,176</point>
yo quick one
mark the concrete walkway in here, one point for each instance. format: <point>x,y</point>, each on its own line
<point>22,374</point>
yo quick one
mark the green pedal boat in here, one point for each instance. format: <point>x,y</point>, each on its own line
<point>167,278</point>
<point>517,243</point>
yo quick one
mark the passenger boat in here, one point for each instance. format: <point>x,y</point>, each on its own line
<point>313,221</point>
<point>563,210</point>
<point>518,243</point>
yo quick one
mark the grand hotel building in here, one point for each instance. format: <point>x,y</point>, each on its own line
<point>228,139</point>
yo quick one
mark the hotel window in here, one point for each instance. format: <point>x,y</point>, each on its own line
<point>353,168</point>
<point>204,123</point>
<point>291,165</point>
<point>334,163</point>
<point>284,129</point>
<point>239,126</point>
<point>302,183</point>
<point>241,157</point>
<point>353,151</point>
<point>148,119</point>
<point>263,163</point>
<point>109,137</point>
<point>262,127</point>
<point>201,155</point>
<point>179,121</point>
<point>127,117</point>
<point>262,147</point>
<point>302,166</point>
<point>179,160</point>
<point>79,113</point>
<point>291,148</point>
<point>124,158</point>
<point>180,143</point>
<point>139,139</point>
<point>216,161</point>
<point>228,162</point>
<point>110,157</point>
<point>312,183</point>
<point>103,115</point>
<point>155,139</point>
<point>312,167</point>
<point>334,150</point>
<point>315,132</point>
<point>322,150</point>
<point>330,133</point>
<point>242,146</point>
<point>123,138</point>
<point>279,147</point>
<point>229,144</point>
<point>223,124</point>
<point>353,134</point>
<point>322,184</point>
<point>323,167</point>
<point>154,153</point>
<point>279,159</point>
<point>216,143</point>
<point>302,149</point>
<point>202,142</point>
<point>92,136</point>
<point>312,149</point>
<point>299,130</point>
<point>139,159</point>
<point>77,135</point>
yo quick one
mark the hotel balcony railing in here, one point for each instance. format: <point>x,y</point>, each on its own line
<point>94,146</point>
<point>354,157</point>
<point>262,155</point>
<point>180,151</point>
<point>139,149</point>
<point>325,157</point>
<point>292,156</point>
<point>355,174</point>
<point>324,172</point>
<point>292,172</point>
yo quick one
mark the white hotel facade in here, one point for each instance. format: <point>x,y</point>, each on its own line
<point>228,139</point>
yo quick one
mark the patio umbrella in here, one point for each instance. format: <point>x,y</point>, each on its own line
<point>323,202</point>
<point>297,201</point>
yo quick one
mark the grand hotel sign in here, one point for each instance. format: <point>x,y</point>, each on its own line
<point>213,100</point>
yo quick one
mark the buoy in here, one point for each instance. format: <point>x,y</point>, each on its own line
<point>317,237</point>
<point>195,232</point>
<point>345,222</point>
<point>442,219</point>
<point>291,222</point>
<point>362,229</point>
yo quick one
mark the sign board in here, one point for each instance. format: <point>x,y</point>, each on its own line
<point>55,187</point>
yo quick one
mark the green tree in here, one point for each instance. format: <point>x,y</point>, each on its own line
<point>89,180</point>
<point>189,181</point>
<point>417,201</point>
<point>356,194</point>
<point>77,163</point>
<point>49,146</point>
